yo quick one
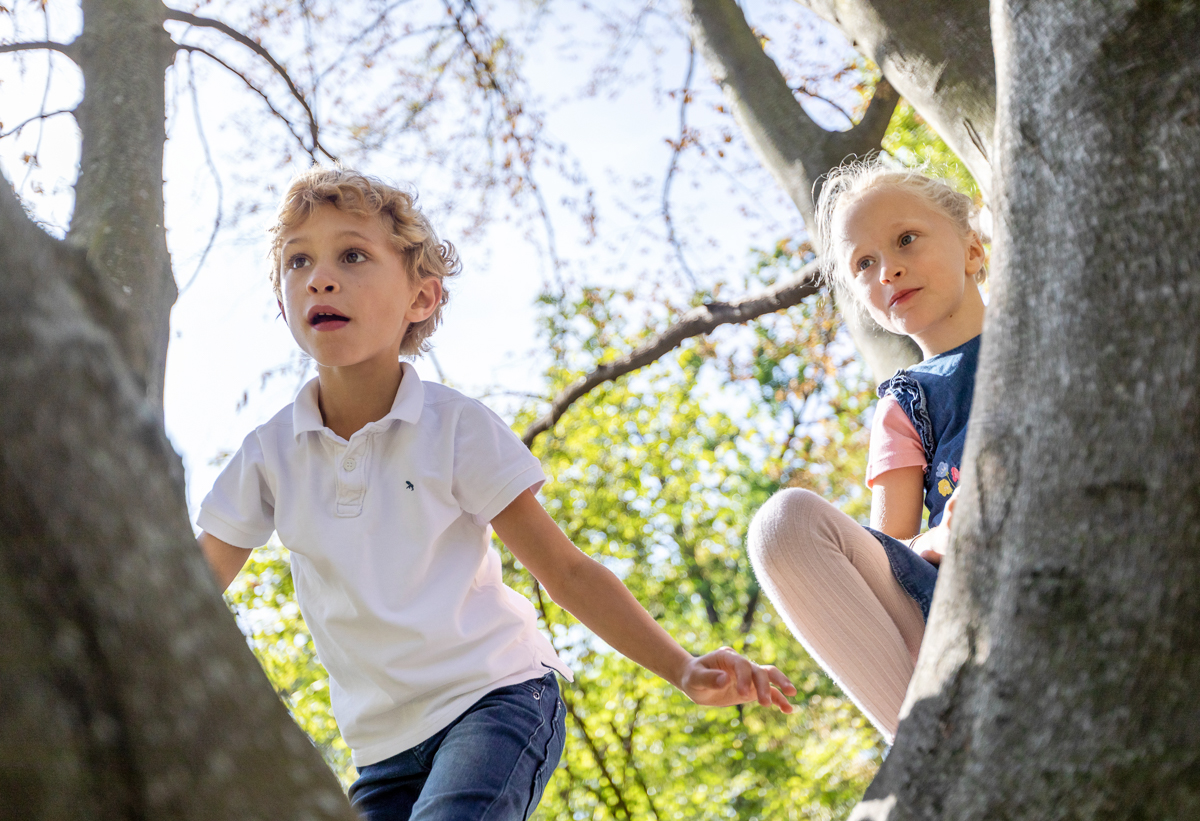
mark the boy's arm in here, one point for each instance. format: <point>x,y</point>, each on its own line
<point>594,595</point>
<point>225,560</point>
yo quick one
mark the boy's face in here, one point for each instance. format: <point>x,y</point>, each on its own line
<point>346,296</point>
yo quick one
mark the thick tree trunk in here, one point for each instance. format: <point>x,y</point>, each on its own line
<point>1058,676</point>
<point>123,53</point>
<point>126,690</point>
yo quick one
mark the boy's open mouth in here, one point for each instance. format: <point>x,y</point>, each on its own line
<point>322,315</point>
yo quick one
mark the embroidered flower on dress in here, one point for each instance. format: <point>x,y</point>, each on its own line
<point>954,475</point>
<point>942,468</point>
<point>945,488</point>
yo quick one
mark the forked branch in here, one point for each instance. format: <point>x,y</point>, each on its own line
<point>257,48</point>
<point>701,320</point>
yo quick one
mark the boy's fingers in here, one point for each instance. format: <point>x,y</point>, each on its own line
<point>708,678</point>
<point>780,680</point>
<point>781,701</point>
<point>762,684</point>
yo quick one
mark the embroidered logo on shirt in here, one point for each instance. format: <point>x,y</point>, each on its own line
<point>949,478</point>
<point>409,485</point>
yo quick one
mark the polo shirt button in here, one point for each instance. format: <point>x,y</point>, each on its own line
<point>349,464</point>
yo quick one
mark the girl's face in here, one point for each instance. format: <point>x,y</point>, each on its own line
<point>908,264</point>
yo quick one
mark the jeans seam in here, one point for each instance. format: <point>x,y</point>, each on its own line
<point>504,790</point>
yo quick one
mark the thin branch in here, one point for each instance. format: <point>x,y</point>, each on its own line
<point>751,607</point>
<point>250,84</point>
<point>701,320</point>
<point>69,49</point>
<point>41,116</point>
<point>803,89</point>
<point>37,148</point>
<point>678,147</point>
<point>257,48</point>
<point>212,167</point>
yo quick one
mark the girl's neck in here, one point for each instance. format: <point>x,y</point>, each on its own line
<point>352,397</point>
<point>962,326</point>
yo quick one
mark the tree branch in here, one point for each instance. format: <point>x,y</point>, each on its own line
<point>40,116</point>
<point>696,322</point>
<point>69,49</point>
<point>257,48</point>
<point>250,84</point>
<point>685,97</point>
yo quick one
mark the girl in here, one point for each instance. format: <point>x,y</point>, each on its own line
<point>900,246</point>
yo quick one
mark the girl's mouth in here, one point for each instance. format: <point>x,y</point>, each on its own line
<point>902,297</point>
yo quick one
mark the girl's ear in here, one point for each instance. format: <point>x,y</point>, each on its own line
<point>975,255</point>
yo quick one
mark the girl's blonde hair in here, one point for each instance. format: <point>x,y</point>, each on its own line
<point>852,179</point>
<point>411,235</point>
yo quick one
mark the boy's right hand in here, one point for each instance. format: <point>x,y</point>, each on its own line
<point>724,677</point>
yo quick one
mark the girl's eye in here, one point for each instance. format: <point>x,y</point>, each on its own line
<point>907,239</point>
<point>862,265</point>
<point>355,256</point>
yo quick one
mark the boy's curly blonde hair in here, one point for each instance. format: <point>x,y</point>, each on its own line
<point>411,235</point>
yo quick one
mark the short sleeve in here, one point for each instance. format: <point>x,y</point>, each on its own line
<point>240,508</point>
<point>895,443</point>
<point>492,467</point>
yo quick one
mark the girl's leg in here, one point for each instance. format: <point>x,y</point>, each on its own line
<point>495,761</point>
<point>831,581</point>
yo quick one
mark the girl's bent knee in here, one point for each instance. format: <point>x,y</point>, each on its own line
<point>784,526</point>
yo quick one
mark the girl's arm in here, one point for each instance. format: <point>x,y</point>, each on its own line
<point>594,595</point>
<point>897,501</point>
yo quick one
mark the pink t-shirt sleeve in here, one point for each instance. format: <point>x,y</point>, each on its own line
<point>895,443</point>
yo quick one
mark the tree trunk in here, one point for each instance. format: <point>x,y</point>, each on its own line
<point>1058,675</point>
<point>126,690</point>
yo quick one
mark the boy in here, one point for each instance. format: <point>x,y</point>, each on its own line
<point>383,489</point>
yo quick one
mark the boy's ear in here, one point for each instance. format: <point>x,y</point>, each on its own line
<point>282,313</point>
<point>426,299</point>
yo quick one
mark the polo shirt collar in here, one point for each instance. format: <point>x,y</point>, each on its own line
<point>406,407</point>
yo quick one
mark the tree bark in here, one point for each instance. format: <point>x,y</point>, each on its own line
<point>1058,674</point>
<point>126,690</point>
<point>123,53</point>
<point>790,145</point>
<point>938,55</point>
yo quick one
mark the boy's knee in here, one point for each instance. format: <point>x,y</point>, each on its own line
<point>783,526</point>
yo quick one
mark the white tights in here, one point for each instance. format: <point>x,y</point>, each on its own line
<point>831,581</point>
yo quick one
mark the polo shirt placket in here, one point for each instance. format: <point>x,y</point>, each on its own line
<point>352,466</point>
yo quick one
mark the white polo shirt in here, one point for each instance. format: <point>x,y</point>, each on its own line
<point>391,557</point>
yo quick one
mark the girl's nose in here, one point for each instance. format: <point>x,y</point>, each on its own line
<point>890,271</point>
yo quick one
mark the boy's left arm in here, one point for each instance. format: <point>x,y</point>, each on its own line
<point>595,596</point>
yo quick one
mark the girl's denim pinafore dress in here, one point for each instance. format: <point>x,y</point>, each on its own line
<point>936,396</point>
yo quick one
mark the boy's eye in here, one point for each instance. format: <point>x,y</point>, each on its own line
<point>296,262</point>
<point>353,256</point>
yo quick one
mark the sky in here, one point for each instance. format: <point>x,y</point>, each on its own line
<point>232,363</point>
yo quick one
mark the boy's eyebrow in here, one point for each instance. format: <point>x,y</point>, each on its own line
<point>340,235</point>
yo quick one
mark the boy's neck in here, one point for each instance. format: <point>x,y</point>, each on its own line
<point>352,398</point>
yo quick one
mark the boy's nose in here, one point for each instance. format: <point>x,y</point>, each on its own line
<point>322,283</point>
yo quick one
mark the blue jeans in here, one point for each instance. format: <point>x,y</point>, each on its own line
<point>914,574</point>
<point>492,763</point>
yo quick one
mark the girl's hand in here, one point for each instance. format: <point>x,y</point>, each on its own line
<point>723,678</point>
<point>937,539</point>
